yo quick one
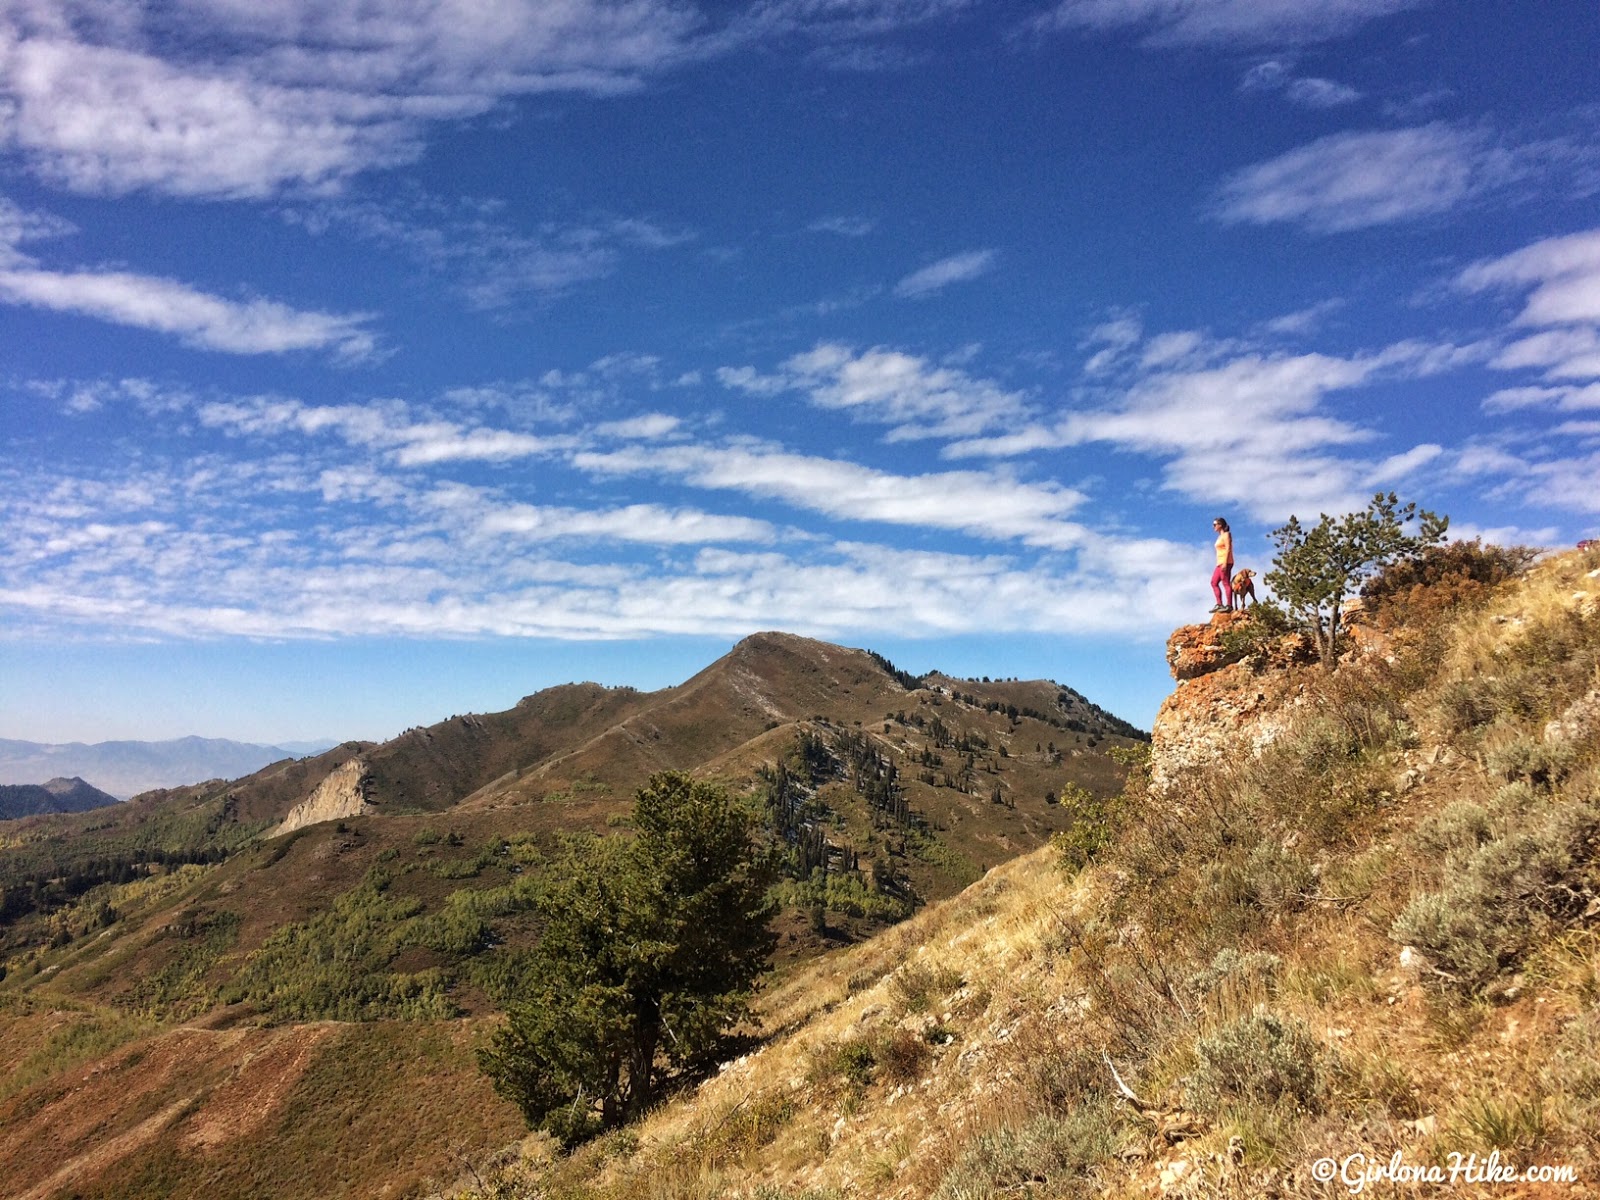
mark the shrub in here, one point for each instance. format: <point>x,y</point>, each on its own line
<point>1258,1058</point>
<point>754,1122</point>
<point>1230,968</point>
<point>916,986</point>
<point>851,1060</point>
<point>1269,877</point>
<point>902,1055</point>
<point>1465,704</point>
<point>1059,1152</point>
<point>1532,874</point>
<point>1533,762</point>
<point>1459,827</point>
<point>1094,825</point>
<point>1258,635</point>
<point>1442,578</point>
<point>1503,1122</point>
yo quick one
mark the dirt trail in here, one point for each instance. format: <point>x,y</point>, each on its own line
<point>90,1163</point>
<point>218,1084</point>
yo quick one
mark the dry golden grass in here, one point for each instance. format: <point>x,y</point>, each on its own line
<point>1231,957</point>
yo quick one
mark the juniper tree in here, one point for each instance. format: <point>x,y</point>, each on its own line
<point>1315,569</point>
<point>649,951</point>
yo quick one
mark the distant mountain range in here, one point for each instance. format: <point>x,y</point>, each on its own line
<point>125,769</point>
<point>56,796</point>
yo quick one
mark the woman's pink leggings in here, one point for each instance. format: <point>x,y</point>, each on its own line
<point>1222,584</point>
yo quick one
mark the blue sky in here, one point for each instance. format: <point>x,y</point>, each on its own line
<point>362,363</point>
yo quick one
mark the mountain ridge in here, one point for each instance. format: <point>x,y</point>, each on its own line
<point>58,795</point>
<point>395,905</point>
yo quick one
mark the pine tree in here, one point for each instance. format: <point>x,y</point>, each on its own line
<point>649,951</point>
<point>1316,569</point>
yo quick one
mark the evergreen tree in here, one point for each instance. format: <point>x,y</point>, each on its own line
<point>649,951</point>
<point>1316,569</point>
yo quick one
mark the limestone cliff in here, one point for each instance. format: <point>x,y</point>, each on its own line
<point>343,793</point>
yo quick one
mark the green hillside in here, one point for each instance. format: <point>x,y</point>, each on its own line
<point>184,925</point>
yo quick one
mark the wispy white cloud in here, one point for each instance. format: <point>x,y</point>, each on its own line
<point>958,268</point>
<point>650,524</point>
<point>305,93</point>
<point>221,99</point>
<point>917,398</point>
<point>1563,271</point>
<point>1558,472</point>
<point>845,589</point>
<point>1350,181</point>
<point>467,511</point>
<point>388,428</point>
<point>1275,75</point>
<point>492,263</point>
<point>646,427</point>
<point>1240,427</point>
<point>277,551</point>
<point>1561,279</point>
<point>1562,399</point>
<point>168,306</point>
<point>83,396</point>
<point>1226,22</point>
<point>1303,320</point>
<point>1110,340</point>
<point>196,318</point>
<point>1321,93</point>
<point>984,504</point>
<point>852,227</point>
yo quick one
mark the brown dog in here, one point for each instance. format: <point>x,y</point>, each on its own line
<point>1242,587</point>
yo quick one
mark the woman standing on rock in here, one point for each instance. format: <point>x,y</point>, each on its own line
<point>1221,578</point>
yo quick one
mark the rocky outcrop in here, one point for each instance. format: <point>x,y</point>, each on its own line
<point>1579,722</point>
<point>1196,650</point>
<point>341,794</point>
<point>1223,704</point>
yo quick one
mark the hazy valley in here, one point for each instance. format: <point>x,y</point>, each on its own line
<point>126,768</point>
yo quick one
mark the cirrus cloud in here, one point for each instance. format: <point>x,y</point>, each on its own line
<point>935,277</point>
<point>1350,181</point>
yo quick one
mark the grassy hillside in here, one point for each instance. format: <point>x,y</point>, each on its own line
<point>368,951</point>
<point>1366,922</point>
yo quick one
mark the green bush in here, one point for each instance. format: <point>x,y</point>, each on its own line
<point>1259,1058</point>
<point>178,987</point>
<point>851,1060</point>
<point>1057,1152</point>
<point>1267,877</point>
<point>1531,761</point>
<point>1458,828</point>
<point>335,965</point>
<point>1466,704</point>
<point>1095,821</point>
<point>1264,628</point>
<point>1533,874</point>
